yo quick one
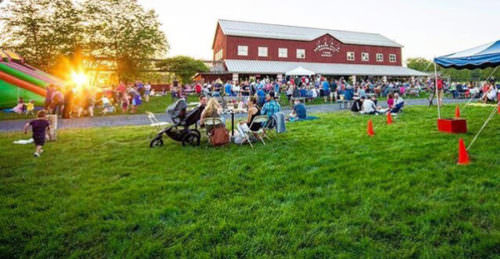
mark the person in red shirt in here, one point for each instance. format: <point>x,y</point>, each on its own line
<point>197,88</point>
<point>121,89</point>
<point>440,91</point>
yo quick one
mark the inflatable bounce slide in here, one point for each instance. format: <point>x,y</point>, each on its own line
<point>18,79</point>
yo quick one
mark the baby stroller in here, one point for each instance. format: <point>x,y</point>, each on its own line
<point>181,130</point>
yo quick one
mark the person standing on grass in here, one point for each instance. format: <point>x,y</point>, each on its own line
<point>326,90</point>
<point>68,103</point>
<point>136,100</point>
<point>440,91</point>
<point>147,91</point>
<point>48,97</point>
<point>228,89</point>
<point>124,103</point>
<point>39,127</point>
<point>333,90</point>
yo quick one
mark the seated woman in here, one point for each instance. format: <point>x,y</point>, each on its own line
<point>490,96</point>
<point>212,110</point>
<point>253,111</point>
<point>356,105</point>
<point>390,101</point>
<point>398,103</point>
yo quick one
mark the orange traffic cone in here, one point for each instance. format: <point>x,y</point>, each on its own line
<point>463,156</point>
<point>389,118</point>
<point>371,133</point>
<point>457,112</point>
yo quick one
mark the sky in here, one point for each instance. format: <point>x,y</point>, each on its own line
<point>426,28</point>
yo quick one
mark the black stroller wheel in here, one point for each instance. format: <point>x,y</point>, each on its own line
<point>197,132</point>
<point>156,142</point>
<point>192,138</point>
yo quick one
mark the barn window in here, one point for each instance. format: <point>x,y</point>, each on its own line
<point>350,55</point>
<point>301,53</point>
<point>380,57</point>
<point>242,50</point>
<point>283,52</point>
<point>262,51</point>
<point>392,58</point>
<point>365,56</point>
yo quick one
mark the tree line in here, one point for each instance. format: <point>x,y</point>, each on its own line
<point>462,75</point>
<point>56,35</point>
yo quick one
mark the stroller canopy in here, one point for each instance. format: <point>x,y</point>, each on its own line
<point>487,55</point>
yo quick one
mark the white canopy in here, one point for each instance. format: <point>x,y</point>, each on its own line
<point>300,71</point>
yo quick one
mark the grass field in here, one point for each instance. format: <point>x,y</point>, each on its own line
<point>322,189</point>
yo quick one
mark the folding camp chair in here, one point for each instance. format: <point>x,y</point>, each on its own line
<point>262,119</point>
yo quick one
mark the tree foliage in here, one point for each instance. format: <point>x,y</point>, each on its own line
<point>117,33</point>
<point>124,32</point>
<point>41,30</point>
<point>183,67</point>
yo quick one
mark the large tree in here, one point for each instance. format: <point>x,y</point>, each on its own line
<point>58,35</point>
<point>122,32</point>
<point>183,67</point>
<point>41,30</point>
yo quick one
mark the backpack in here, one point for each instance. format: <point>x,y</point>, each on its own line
<point>219,136</point>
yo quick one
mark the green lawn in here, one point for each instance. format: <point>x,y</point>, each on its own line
<point>322,189</point>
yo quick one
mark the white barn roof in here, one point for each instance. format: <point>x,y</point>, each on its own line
<point>281,67</point>
<point>276,31</point>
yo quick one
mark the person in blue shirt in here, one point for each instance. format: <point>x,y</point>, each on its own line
<point>303,92</point>
<point>261,97</point>
<point>333,90</point>
<point>326,90</point>
<point>228,89</point>
<point>270,107</point>
<point>276,88</point>
<point>299,111</point>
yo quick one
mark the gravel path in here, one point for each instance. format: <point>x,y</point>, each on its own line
<point>141,119</point>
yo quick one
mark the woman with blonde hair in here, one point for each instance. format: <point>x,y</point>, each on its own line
<point>212,110</point>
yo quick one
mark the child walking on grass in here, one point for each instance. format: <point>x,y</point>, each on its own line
<point>39,127</point>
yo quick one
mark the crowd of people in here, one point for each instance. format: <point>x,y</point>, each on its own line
<point>487,92</point>
<point>70,101</point>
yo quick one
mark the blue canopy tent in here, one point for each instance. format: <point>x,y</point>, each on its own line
<point>484,56</point>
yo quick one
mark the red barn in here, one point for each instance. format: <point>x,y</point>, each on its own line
<point>243,49</point>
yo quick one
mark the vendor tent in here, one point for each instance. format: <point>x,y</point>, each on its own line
<point>484,56</point>
<point>300,71</point>
<point>487,55</point>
